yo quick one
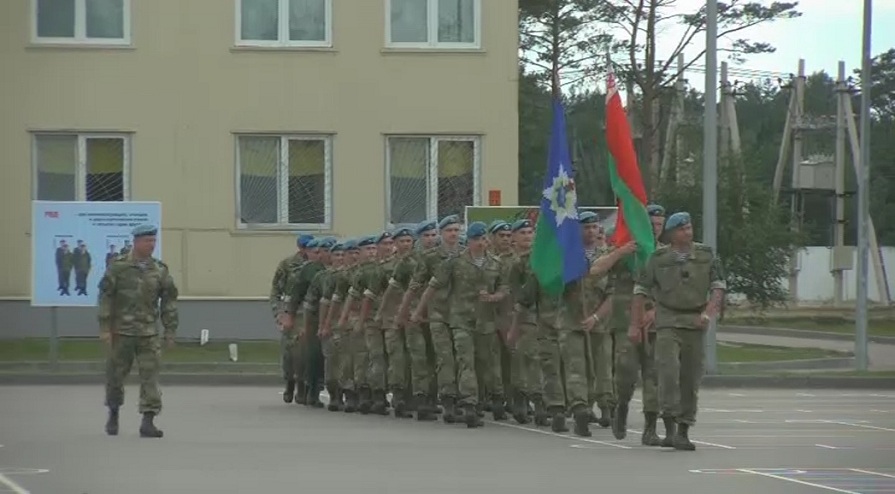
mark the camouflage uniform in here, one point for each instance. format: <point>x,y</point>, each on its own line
<point>354,348</point>
<point>372,285</point>
<point>502,316</point>
<point>313,352</point>
<point>288,356</point>
<point>680,284</point>
<point>133,295</point>
<point>475,340</point>
<point>332,345</point>
<point>301,275</point>
<point>526,373</point>
<point>360,351</point>
<point>600,346</point>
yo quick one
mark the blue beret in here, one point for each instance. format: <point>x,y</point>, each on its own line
<point>350,244</point>
<point>449,220</point>
<point>425,226</point>
<point>498,226</point>
<point>312,244</point>
<point>476,229</point>
<point>326,243</point>
<point>383,236</point>
<point>303,239</point>
<point>655,210</point>
<point>677,220</point>
<point>520,224</point>
<point>337,247</point>
<point>402,232</point>
<point>588,217</point>
<point>365,241</point>
<point>144,231</point>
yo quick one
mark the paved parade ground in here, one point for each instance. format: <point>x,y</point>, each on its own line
<point>240,439</point>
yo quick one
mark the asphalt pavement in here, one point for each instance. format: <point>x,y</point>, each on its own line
<point>245,439</point>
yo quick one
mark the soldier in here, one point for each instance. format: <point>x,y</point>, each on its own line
<point>331,343</point>
<point>348,340</point>
<point>680,276</point>
<point>304,291</point>
<point>135,291</point>
<point>64,265</point>
<point>290,310</point>
<point>474,283</point>
<point>438,310</point>
<point>277,294</point>
<point>81,263</point>
<point>500,247</point>
<point>600,338</point>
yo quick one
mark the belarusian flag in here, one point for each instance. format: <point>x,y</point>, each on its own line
<point>632,222</point>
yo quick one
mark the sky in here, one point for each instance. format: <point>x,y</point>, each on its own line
<point>828,31</point>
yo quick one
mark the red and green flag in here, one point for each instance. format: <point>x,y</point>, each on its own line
<point>633,222</point>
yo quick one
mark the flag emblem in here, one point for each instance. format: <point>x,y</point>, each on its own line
<point>562,196</point>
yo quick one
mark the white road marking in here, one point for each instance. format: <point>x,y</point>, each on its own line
<point>805,395</point>
<point>554,434</point>
<point>738,395</point>
<point>742,421</point>
<point>871,472</point>
<point>14,487</point>
<point>826,446</point>
<point>804,411</point>
<point>796,481</point>
<point>865,426</point>
<point>704,443</point>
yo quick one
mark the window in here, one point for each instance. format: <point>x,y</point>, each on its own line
<point>104,22</point>
<point>283,23</point>
<point>433,23</point>
<point>431,177</point>
<point>284,181</point>
<point>81,167</point>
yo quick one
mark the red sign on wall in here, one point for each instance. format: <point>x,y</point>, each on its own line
<point>494,197</point>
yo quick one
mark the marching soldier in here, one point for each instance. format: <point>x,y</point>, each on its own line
<point>349,341</point>
<point>277,295</point>
<point>501,248</point>
<point>330,342</point>
<point>305,292</point>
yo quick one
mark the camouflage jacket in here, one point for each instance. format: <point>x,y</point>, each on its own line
<point>311,300</point>
<point>363,275</point>
<point>582,298</point>
<point>280,279</point>
<point>134,294</point>
<point>298,284</point>
<point>439,305</point>
<point>379,279</point>
<point>518,275</point>
<point>463,280</point>
<point>402,276</point>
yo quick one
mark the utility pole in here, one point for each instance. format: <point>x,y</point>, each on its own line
<point>710,159</point>
<point>842,92</point>
<point>861,359</point>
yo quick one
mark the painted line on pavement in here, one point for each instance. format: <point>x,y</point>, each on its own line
<point>14,487</point>
<point>871,472</point>
<point>704,443</point>
<point>796,481</point>
<point>554,434</point>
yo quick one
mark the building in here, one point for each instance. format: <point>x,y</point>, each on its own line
<point>251,120</point>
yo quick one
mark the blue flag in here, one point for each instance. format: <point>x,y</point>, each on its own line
<point>557,255</point>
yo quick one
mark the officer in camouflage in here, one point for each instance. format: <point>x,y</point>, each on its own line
<point>277,295</point>
<point>688,285</point>
<point>501,248</point>
<point>330,342</point>
<point>135,291</point>
<point>310,293</point>
<point>349,340</point>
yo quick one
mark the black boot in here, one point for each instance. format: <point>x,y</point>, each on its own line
<point>471,417</point>
<point>350,401</point>
<point>670,432</point>
<point>498,410</point>
<point>520,410</point>
<point>410,402</point>
<point>366,400</point>
<point>480,409</point>
<point>147,428</point>
<point>380,403</point>
<point>289,392</point>
<point>591,416</point>
<point>313,398</point>
<point>605,419</point>
<point>582,422</point>
<point>649,436</point>
<point>541,415</point>
<point>335,398</point>
<point>301,392</point>
<point>424,409</point>
<point>448,415</point>
<point>682,438</point>
<point>558,424</point>
<point>620,421</point>
<point>112,422</point>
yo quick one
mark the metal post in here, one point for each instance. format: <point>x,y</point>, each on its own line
<point>710,158</point>
<point>839,216</point>
<point>54,339</point>
<point>861,360</point>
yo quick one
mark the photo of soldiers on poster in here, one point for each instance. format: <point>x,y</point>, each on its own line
<point>73,242</point>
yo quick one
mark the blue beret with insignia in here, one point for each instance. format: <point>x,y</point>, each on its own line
<point>677,220</point>
<point>312,244</point>
<point>350,244</point>
<point>303,239</point>
<point>449,220</point>
<point>425,226</point>
<point>588,217</point>
<point>144,231</point>
<point>520,224</point>
<point>498,226</point>
<point>383,236</point>
<point>365,241</point>
<point>337,247</point>
<point>476,229</point>
<point>326,243</point>
<point>655,210</point>
<point>402,232</point>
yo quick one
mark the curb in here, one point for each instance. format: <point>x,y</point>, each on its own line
<point>802,364</point>
<point>801,333</point>
<point>97,367</point>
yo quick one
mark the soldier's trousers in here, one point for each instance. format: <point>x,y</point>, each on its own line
<point>356,372</point>
<point>525,371</point>
<point>313,353</point>
<point>600,369</point>
<point>633,359</point>
<point>289,356</point>
<point>416,358</point>
<point>680,366</point>
<point>376,362</point>
<point>346,357</point>
<point>477,356</point>
<point>146,350</point>
<point>445,367</point>
<point>566,349</point>
<point>396,349</point>
<point>332,356</point>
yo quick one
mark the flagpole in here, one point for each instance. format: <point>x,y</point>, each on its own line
<point>710,161</point>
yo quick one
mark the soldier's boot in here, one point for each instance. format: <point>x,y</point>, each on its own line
<point>380,404</point>
<point>682,439</point>
<point>424,411</point>
<point>520,414</point>
<point>301,393</point>
<point>410,402</point>
<point>591,416</point>
<point>605,419</point>
<point>366,400</point>
<point>486,407</point>
<point>471,417</point>
<point>112,422</point>
<point>498,410</point>
<point>350,401</point>
<point>400,405</point>
<point>670,431</point>
<point>558,424</point>
<point>582,422</point>
<point>542,417</point>
<point>620,421</point>
<point>289,392</point>
<point>147,428</point>
<point>448,415</point>
<point>335,398</point>
<point>649,436</point>
<point>480,409</point>
<point>313,398</point>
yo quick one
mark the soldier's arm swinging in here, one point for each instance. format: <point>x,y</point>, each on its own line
<point>168,307</point>
<point>106,309</point>
<point>717,288</point>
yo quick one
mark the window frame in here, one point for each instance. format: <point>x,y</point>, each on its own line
<point>432,170</point>
<point>283,29</point>
<point>282,186</point>
<point>432,42</point>
<point>81,162</point>
<point>80,36</point>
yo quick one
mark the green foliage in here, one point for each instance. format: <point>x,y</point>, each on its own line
<point>754,236</point>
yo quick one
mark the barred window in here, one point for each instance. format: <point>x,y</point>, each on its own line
<point>81,167</point>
